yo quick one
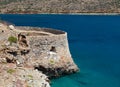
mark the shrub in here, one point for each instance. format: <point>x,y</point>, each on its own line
<point>51,61</point>
<point>30,76</point>
<point>10,71</point>
<point>12,39</point>
<point>28,86</point>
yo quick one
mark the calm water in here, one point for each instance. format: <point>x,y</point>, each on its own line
<point>94,43</point>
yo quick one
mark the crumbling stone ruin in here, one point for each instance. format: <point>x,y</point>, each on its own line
<point>45,49</point>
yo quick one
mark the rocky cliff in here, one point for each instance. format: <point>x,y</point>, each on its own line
<point>13,76</point>
<point>59,6</point>
<point>26,49</point>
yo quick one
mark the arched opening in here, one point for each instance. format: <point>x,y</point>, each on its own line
<point>22,40</point>
<point>53,49</point>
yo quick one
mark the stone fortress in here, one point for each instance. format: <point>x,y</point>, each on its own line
<point>45,49</point>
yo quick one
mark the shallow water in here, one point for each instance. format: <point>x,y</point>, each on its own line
<point>94,43</point>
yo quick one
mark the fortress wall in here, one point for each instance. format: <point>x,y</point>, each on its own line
<point>39,48</point>
<point>46,40</point>
<point>43,44</point>
<point>38,29</point>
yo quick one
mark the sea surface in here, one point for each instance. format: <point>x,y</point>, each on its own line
<point>94,43</point>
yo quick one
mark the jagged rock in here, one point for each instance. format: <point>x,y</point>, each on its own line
<point>11,27</point>
<point>12,76</point>
<point>3,60</point>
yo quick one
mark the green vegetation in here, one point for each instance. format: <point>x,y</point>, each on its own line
<point>28,34</point>
<point>28,86</point>
<point>11,71</point>
<point>52,61</point>
<point>12,39</point>
<point>30,76</point>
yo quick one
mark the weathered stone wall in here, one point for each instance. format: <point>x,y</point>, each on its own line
<point>49,51</point>
<point>42,43</point>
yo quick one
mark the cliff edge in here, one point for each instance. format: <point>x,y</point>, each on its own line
<point>35,48</point>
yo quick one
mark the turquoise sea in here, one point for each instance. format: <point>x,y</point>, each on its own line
<point>94,43</point>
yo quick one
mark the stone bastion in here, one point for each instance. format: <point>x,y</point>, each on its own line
<point>46,40</point>
<point>41,48</point>
<point>49,50</point>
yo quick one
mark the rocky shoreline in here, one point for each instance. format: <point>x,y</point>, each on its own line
<point>13,76</point>
<point>116,13</point>
<point>29,56</point>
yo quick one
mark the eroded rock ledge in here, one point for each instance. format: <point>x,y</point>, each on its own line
<point>35,48</point>
<point>13,76</point>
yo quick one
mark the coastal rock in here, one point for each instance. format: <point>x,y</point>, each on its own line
<point>30,49</point>
<point>13,76</point>
<point>49,49</point>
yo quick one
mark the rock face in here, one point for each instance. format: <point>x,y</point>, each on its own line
<point>13,76</point>
<point>59,6</point>
<point>46,50</point>
<point>11,60</point>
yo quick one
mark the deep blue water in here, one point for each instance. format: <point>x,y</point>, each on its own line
<point>94,43</point>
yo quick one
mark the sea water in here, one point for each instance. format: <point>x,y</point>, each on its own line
<point>94,43</point>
